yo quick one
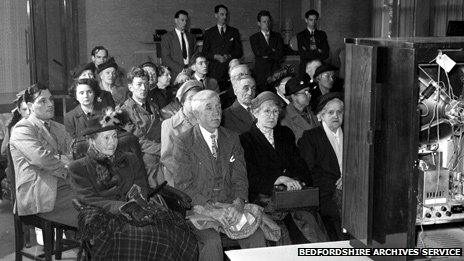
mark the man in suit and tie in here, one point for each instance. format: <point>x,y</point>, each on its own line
<point>211,169</point>
<point>199,64</point>
<point>267,46</point>
<point>238,116</point>
<point>322,149</point>
<point>40,150</point>
<point>312,43</point>
<point>221,44</point>
<point>177,46</point>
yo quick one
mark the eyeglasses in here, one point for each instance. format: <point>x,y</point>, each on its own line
<point>268,112</point>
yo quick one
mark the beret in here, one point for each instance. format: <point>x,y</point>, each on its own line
<point>186,86</point>
<point>324,99</point>
<point>264,96</point>
<point>109,63</point>
<point>324,68</point>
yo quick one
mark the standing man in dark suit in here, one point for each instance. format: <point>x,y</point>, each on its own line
<point>220,45</point>
<point>312,43</point>
<point>322,149</point>
<point>238,116</point>
<point>267,46</point>
<point>178,45</point>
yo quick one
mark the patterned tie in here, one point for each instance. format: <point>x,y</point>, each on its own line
<point>47,126</point>
<point>184,48</point>
<point>266,36</point>
<point>203,82</point>
<point>223,31</point>
<point>214,147</point>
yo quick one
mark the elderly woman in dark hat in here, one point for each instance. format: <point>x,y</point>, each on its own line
<point>183,120</point>
<point>326,80</point>
<point>322,149</point>
<point>107,77</point>
<point>272,158</point>
<point>92,101</point>
<point>298,115</point>
<point>103,181</point>
<point>84,71</point>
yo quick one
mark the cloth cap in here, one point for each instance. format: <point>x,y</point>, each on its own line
<point>264,96</point>
<point>186,86</point>
<point>324,99</point>
<point>324,68</point>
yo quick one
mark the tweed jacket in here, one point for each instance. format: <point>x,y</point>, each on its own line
<point>171,51</point>
<point>37,168</point>
<point>145,126</point>
<point>204,178</point>
<point>236,118</point>
<point>296,122</point>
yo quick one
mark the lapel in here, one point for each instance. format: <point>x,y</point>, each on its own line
<point>223,151</point>
<point>201,149</point>
<point>325,143</point>
<point>175,42</point>
<point>263,142</point>
<point>43,132</point>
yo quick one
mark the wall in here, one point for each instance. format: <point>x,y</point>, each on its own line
<point>125,29</point>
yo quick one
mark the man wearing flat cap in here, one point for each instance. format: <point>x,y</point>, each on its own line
<point>211,170</point>
<point>298,116</point>
<point>322,149</point>
<point>182,121</point>
<point>324,76</point>
<point>238,116</point>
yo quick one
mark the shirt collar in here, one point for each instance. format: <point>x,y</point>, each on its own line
<point>198,78</point>
<point>220,26</point>
<point>206,134</point>
<point>178,31</point>
<point>311,31</point>
<point>265,131</point>
<point>266,33</point>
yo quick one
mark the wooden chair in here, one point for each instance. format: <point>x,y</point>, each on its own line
<point>52,247</point>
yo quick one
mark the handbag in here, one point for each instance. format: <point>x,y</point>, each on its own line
<point>285,200</point>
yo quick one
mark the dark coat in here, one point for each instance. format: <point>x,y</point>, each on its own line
<point>266,163</point>
<point>84,181</point>
<point>304,49</point>
<point>268,57</point>
<point>214,43</point>
<point>316,150</point>
<point>171,51</point>
<point>75,121</point>
<point>236,118</point>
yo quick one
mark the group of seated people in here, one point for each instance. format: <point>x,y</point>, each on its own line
<point>227,156</point>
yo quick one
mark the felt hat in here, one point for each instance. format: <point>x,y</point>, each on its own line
<point>187,86</point>
<point>109,63</point>
<point>324,68</point>
<point>264,96</point>
<point>324,99</point>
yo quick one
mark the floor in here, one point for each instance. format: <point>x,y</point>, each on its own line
<point>7,247</point>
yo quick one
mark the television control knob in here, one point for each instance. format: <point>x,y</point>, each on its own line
<point>443,208</point>
<point>448,213</point>
<point>428,215</point>
<point>438,214</point>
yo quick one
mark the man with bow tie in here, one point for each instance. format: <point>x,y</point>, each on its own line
<point>221,44</point>
<point>312,43</point>
<point>267,46</point>
<point>40,150</point>
<point>211,170</point>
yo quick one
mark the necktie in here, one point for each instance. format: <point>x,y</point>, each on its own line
<point>223,31</point>
<point>47,126</point>
<point>266,36</point>
<point>202,82</point>
<point>184,48</point>
<point>249,111</point>
<point>214,147</point>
